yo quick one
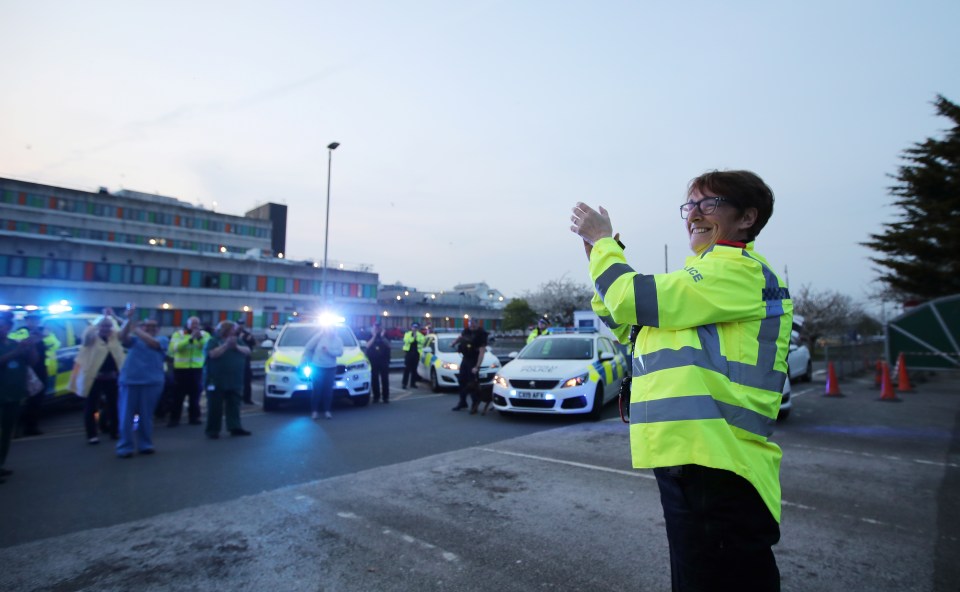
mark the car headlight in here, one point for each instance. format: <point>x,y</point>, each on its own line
<point>358,367</point>
<point>280,367</point>
<point>450,366</point>
<point>576,380</point>
<point>497,379</point>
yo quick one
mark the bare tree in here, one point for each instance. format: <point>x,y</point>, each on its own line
<point>557,299</point>
<point>826,314</point>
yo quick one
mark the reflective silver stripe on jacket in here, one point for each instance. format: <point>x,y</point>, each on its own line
<point>644,292</point>
<point>708,357</point>
<point>699,407</point>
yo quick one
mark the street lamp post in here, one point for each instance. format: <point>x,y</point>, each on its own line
<point>326,229</point>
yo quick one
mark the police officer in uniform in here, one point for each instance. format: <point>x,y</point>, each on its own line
<point>186,348</point>
<point>701,415</point>
<point>413,341</point>
<point>472,344</point>
<point>47,345</point>
<point>378,352</point>
<point>541,329</point>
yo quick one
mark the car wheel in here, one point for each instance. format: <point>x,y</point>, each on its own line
<point>360,401</point>
<point>269,404</point>
<point>597,410</point>
<point>434,381</point>
<point>808,375</point>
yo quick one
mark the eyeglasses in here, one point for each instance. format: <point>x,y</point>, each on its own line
<point>707,205</point>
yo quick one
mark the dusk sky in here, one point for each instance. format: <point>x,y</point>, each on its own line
<point>469,130</point>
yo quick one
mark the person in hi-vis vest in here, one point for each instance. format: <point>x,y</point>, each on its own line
<point>541,329</point>
<point>413,341</point>
<point>186,349</point>
<point>709,366</point>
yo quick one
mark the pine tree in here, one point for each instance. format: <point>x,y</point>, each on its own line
<point>920,252</point>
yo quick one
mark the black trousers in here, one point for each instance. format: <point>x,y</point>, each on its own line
<point>469,383</point>
<point>32,406</point>
<point>102,398</point>
<point>188,383</point>
<point>410,361</point>
<point>380,379</point>
<point>719,530</point>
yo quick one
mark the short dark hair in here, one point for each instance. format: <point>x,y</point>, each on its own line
<point>743,189</point>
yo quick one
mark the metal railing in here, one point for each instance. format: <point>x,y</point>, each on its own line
<point>854,358</point>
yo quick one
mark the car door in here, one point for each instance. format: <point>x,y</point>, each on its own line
<point>613,368</point>
<point>426,358</point>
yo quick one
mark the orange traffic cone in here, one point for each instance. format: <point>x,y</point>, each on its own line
<point>833,387</point>
<point>878,377</point>
<point>903,379</point>
<point>886,388</point>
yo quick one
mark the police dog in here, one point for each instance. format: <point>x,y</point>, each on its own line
<point>480,396</point>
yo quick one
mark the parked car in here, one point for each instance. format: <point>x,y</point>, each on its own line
<point>575,373</point>
<point>440,363</point>
<point>786,401</point>
<point>288,377</point>
<point>799,362</point>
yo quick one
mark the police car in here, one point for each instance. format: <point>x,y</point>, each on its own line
<point>287,377</point>
<point>575,373</point>
<point>440,363</point>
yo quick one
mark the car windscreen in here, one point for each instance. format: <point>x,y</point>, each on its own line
<point>558,349</point>
<point>299,335</point>
<point>445,345</point>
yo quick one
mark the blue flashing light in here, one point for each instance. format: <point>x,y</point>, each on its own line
<point>328,319</point>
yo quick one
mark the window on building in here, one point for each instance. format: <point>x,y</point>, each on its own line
<point>17,267</point>
<point>101,272</point>
<point>137,275</point>
<point>117,274</point>
<point>163,276</point>
<point>211,280</point>
<point>58,269</point>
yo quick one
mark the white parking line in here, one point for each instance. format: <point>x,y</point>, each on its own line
<point>570,463</point>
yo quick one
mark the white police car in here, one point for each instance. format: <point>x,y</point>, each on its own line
<point>574,373</point>
<point>288,378</point>
<point>440,363</point>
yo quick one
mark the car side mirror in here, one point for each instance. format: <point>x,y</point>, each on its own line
<point>513,355</point>
<point>604,356</point>
<point>428,350</point>
<point>267,344</point>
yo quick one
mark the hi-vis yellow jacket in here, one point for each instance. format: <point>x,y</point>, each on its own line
<point>410,336</point>
<point>186,352</point>
<point>535,333</point>
<point>710,362</point>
